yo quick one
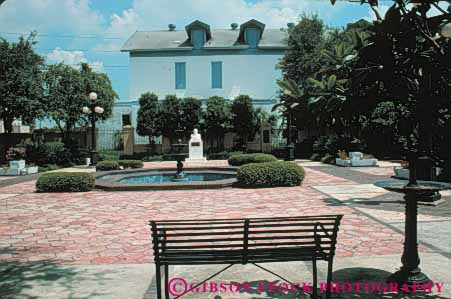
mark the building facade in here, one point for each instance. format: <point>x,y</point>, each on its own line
<point>200,62</point>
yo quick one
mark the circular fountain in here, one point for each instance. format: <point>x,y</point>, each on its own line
<point>168,178</point>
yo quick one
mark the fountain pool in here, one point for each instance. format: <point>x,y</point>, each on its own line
<point>164,179</point>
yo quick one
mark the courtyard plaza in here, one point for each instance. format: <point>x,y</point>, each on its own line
<point>97,244</point>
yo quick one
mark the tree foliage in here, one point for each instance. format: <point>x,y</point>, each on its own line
<point>217,120</point>
<point>21,72</point>
<point>148,113</point>
<point>66,93</point>
<point>244,118</point>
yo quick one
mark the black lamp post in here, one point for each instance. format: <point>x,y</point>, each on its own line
<point>290,146</point>
<point>420,162</point>
<point>92,111</point>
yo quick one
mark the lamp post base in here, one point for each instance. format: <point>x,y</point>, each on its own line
<point>94,157</point>
<point>290,153</point>
<point>413,279</point>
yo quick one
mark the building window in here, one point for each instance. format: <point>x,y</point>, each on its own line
<point>198,38</point>
<point>126,120</point>
<point>216,74</point>
<point>252,37</point>
<point>180,75</point>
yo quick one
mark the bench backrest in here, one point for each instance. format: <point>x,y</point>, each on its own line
<point>238,240</point>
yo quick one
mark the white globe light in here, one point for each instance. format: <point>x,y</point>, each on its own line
<point>93,96</point>
<point>446,30</point>
<point>98,110</point>
<point>86,110</point>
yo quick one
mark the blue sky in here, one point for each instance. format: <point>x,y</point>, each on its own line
<point>95,30</point>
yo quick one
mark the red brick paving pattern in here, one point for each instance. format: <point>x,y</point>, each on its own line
<point>111,227</point>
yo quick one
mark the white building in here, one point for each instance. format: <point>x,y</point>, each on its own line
<point>202,62</point>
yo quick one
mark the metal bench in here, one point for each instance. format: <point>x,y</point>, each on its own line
<point>243,241</point>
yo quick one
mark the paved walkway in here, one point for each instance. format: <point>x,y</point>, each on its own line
<point>75,237</point>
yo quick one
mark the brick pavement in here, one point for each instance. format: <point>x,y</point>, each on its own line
<point>111,227</point>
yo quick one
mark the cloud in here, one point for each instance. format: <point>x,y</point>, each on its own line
<point>50,16</point>
<point>73,58</point>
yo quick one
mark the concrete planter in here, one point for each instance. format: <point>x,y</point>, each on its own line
<point>31,170</point>
<point>363,162</point>
<point>17,164</point>
<point>342,162</point>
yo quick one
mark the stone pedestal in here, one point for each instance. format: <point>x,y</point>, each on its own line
<point>128,136</point>
<point>196,148</point>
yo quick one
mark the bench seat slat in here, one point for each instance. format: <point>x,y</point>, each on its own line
<point>240,245</point>
<point>220,233</point>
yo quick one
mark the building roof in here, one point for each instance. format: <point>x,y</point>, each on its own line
<point>220,39</point>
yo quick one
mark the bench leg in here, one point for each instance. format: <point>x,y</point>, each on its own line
<point>166,281</point>
<point>329,278</point>
<point>158,279</point>
<point>315,279</point>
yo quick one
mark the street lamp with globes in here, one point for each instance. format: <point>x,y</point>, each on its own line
<point>92,111</point>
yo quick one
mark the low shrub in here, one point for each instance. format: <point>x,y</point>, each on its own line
<point>241,159</point>
<point>109,155</point>
<point>107,165</point>
<point>270,174</point>
<point>224,155</point>
<point>131,163</point>
<point>49,153</point>
<point>156,158</point>
<point>135,156</point>
<point>65,182</point>
<point>48,167</point>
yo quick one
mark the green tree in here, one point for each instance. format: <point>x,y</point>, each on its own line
<point>66,93</point>
<point>302,59</point>
<point>148,114</point>
<point>192,114</point>
<point>171,117</point>
<point>244,118</point>
<point>217,120</point>
<point>21,75</point>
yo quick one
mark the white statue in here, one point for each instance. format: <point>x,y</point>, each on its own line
<point>196,148</point>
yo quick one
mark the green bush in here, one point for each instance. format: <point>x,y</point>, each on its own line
<point>131,163</point>
<point>65,182</point>
<point>241,159</point>
<point>224,155</point>
<point>48,167</point>
<point>49,153</point>
<point>107,165</point>
<point>270,174</point>
<point>109,155</point>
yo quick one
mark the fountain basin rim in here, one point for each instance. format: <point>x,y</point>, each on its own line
<point>113,184</point>
<point>423,187</point>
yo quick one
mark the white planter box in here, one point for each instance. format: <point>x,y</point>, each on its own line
<point>14,171</point>
<point>32,169</point>
<point>341,162</point>
<point>363,162</point>
<point>17,164</point>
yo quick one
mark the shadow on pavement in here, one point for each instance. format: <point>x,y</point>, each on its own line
<point>27,280</point>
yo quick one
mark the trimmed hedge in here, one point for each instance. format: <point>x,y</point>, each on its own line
<point>107,165</point>
<point>221,155</point>
<point>131,163</point>
<point>270,174</point>
<point>241,159</point>
<point>116,165</point>
<point>65,182</point>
